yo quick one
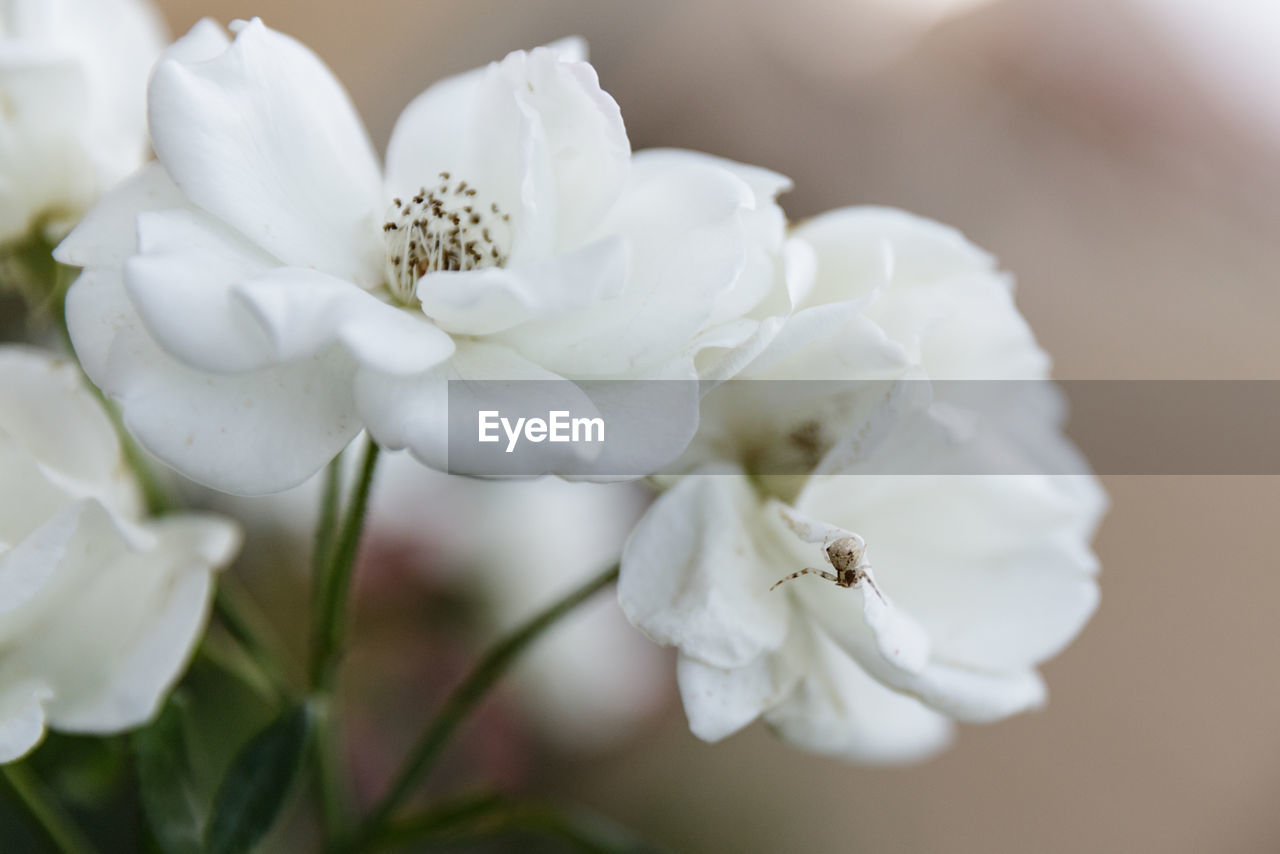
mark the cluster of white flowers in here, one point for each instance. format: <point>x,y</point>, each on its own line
<point>266,290</point>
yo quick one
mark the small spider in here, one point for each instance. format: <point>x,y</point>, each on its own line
<point>848,557</point>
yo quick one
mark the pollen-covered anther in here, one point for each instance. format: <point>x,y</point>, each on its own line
<point>446,227</point>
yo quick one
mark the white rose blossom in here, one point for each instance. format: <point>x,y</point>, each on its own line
<point>264,291</point>
<point>969,580</point>
<point>73,77</point>
<point>99,607</point>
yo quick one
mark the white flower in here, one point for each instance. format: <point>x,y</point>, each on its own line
<point>970,581</point>
<point>73,77</point>
<point>278,293</point>
<point>99,608</point>
<point>875,295</point>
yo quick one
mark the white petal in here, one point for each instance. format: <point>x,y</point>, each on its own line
<point>840,711</point>
<point>851,243</point>
<point>472,127</point>
<point>765,184</point>
<point>44,168</point>
<point>21,719</point>
<point>117,612</point>
<point>1001,579</point>
<point>900,640</point>
<point>46,408</point>
<point>180,283</point>
<point>693,576</point>
<point>959,692</point>
<point>303,312</point>
<point>27,502</point>
<point>683,221</point>
<point>434,134</point>
<point>205,40</point>
<point>982,310</point>
<point>534,133</point>
<point>586,140</point>
<point>720,701</point>
<point>266,139</point>
<point>832,342</point>
<point>569,49</point>
<point>149,611</point>
<point>108,233</point>
<point>758,293</point>
<point>413,412</point>
<point>248,434</point>
<point>882,636</point>
<point>932,292</point>
<point>73,78</point>
<point>720,360</point>
<point>481,302</point>
<point>40,570</point>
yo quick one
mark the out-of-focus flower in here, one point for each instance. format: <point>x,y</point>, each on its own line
<point>516,547</point>
<point>971,580</point>
<point>278,293</point>
<point>1228,48</point>
<point>73,77</point>
<point>839,40</point>
<point>100,608</point>
<point>509,548</point>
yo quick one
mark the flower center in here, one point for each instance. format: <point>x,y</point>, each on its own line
<point>446,227</point>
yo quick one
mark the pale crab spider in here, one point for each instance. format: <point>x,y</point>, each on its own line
<point>848,557</point>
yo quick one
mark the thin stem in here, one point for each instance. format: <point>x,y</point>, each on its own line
<point>467,695</point>
<point>333,585</point>
<point>28,269</point>
<point>40,805</point>
<point>154,493</point>
<point>243,621</point>
<point>222,651</point>
<point>327,524</point>
<point>334,812</point>
<point>334,560</point>
<point>443,818</point>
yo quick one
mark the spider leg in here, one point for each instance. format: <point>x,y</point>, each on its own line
<point>808,570</point>
<point>863,576</point>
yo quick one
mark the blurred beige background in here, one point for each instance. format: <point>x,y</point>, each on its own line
<point>1137,205</point>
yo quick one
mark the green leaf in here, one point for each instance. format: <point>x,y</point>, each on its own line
<point>173,809</point>
<point>258,783</point>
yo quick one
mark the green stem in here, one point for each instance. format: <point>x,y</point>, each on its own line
<point>40,805</point>
<point>243,621</point>
<point>334,562</point>
<point>156,496</point>
<point>327,525</point>
<point>333,585</point>
<point>443,819</point>
<point>224,653</point>
<point>334,811</point>
<point>467,695</point>
<point>27,268</point>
